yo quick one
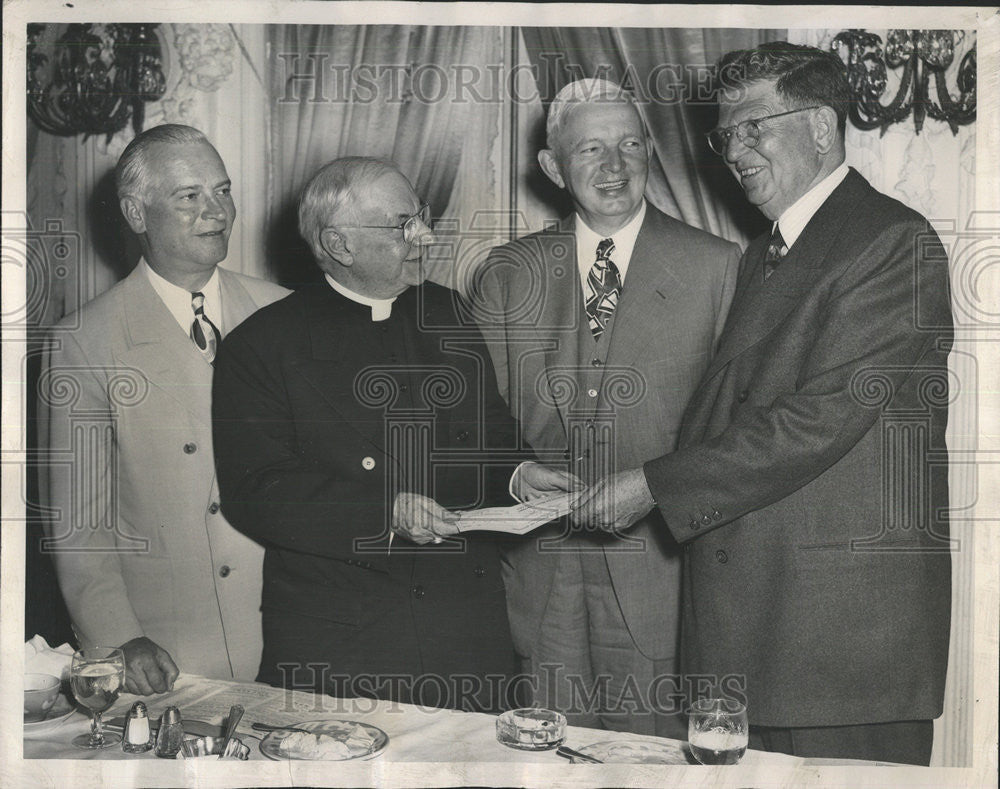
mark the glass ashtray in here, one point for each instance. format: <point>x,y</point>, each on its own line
<point>531,729</point>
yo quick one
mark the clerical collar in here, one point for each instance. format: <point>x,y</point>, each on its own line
<point>381,308</point>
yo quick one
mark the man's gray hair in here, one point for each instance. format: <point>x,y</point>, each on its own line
<point>330,189</point>
<point>584,91</point>
<point>132,174</point>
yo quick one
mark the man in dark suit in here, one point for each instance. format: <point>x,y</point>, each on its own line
<point>810,487</point>
<point>599,330</point>
<point>357,405</point>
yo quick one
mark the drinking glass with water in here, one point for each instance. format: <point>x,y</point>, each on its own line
<point>717,731</point>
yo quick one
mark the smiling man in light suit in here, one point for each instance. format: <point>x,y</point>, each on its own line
<point>144,557</point>
<point>599,330</point>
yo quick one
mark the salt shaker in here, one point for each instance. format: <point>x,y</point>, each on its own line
<point>137,737</point>
<point>171,734</point>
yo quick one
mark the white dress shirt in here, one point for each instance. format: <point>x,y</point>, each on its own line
<point>795,218</point>
<point>178,300</point>
<point>381,308</point>
<point>587,241</point>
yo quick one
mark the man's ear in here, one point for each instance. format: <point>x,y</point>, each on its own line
<point>334,245</point>
<point>134,213</point>
<point>824,123</point>
<point>550,166</point>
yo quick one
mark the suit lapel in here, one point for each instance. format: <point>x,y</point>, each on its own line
<point>159,348</point>
<point>237,304</point>
<point>759,307</point>
<point>562,310</point>
<point>652,272</point>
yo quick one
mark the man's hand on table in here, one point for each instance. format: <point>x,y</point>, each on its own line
<point>148,667</point>
<point>534,481</point>
<point>615,502</point>
<point>422,520</point>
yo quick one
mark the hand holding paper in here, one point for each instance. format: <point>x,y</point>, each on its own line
<point>519,519</point>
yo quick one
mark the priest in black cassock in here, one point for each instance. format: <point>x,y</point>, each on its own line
<point>354,411</point>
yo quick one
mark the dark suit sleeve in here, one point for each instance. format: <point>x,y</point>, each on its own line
<point>769,451</point>
<point>270,490</point>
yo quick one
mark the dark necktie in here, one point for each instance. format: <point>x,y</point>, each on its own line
<point>204,333</point>
<point>604,286</point>
<point>776,250</point>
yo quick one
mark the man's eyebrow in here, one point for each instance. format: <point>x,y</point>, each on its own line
<point>195,187</point>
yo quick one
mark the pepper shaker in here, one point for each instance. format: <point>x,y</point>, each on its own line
<point>171,734</point>
<point>137,737</point>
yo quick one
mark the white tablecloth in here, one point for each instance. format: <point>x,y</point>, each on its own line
<point>455,748</point>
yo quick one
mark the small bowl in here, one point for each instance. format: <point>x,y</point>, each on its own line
<point>194,747</point>
<point>531,729</point>
<point>40,693</point>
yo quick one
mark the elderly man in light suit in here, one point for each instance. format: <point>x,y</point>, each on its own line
<point>599,330</point>
<point>810,488</point>
<point>144,557</point>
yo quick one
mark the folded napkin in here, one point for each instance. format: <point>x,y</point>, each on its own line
<point>40,658</point>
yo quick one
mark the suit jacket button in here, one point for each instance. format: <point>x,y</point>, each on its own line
<point>592,393</point>
<point>706,520</point>
<point>742,396</point>
<point>224,571</point>
<point>418,592</point>
<point>368,463</point>
<point>596,362</point>
<point>693,524</point>
<point>721,556</point>
<point>213,507</point>
<point>716,515</point>
<point>480,572</point>
<point>566,455</point>
<point>190,448</point>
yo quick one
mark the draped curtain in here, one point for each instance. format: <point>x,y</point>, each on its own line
<point>387,91</point>
<point>668,70</point>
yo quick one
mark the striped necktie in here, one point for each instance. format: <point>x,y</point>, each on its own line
<point>604,286</point>
<point>204,333</point>
<point>776,250</point>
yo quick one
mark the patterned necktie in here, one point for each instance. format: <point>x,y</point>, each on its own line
<point>604,285</point>
<point>204,333</point>
<point>776,250</point>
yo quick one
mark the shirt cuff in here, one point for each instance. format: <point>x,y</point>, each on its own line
<point>513,477</point>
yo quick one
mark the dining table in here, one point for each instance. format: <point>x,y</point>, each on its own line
<point>425,747</point>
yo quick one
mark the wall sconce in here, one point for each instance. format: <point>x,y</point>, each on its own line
<point>101,75</point>
<point>924,55</point>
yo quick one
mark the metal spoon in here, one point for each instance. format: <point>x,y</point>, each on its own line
<point>235,714</point>
<point>569,753</point>
<point>257,726</point>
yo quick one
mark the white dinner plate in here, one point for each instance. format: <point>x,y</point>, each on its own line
<point>57,713</point>
<point>270,746</point>
<point>635,752</point>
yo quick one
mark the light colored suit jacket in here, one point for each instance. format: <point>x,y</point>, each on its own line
<point>134,526</point>
<point>626,408</point>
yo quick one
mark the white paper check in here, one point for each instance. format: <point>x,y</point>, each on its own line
<point>519,519</point>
